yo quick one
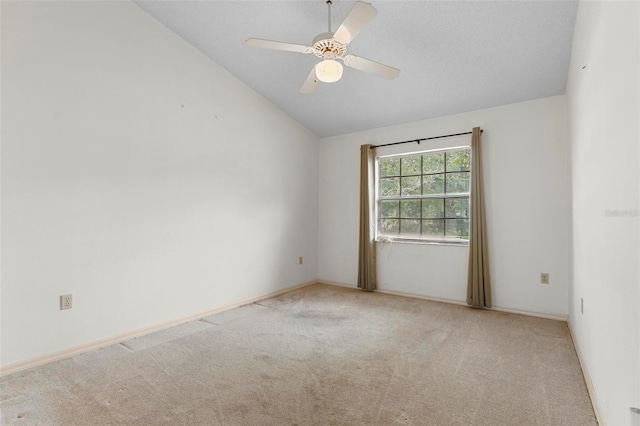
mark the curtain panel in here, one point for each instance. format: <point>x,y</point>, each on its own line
<point>479,283</point>
<point>367,245</point>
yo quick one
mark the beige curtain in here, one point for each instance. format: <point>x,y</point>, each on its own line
<point>367,252</point>
<point>479,286</point>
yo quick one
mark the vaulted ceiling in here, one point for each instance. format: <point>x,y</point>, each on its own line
<point>454,56</point>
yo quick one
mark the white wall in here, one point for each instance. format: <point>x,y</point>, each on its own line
<point>604,116</point>
<point>527,193</point>
<point>140,176</point>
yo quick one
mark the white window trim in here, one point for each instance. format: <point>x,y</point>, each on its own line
<point>406,239</point>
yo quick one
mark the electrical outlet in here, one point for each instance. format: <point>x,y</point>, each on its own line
<point>300,260</point>
<point>582,305</point>
<point>544,278</point>
<point>66,301</point>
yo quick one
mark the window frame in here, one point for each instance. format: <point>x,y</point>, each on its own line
<point>444,240</point>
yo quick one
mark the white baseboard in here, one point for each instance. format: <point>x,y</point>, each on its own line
<point>555,317</point>
<point>451,301</point>
<point>127,335</point>
<point>419,296</point>
<point>337,284</point>
<point>587,378</point>
<point>398,293</point>
<point>85,347</point>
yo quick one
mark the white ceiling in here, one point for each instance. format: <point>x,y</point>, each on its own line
<point>454,56</point>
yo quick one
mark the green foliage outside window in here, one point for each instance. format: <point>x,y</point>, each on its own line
<point>425,195</point>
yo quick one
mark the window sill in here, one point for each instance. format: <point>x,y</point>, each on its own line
<point>390,240</point>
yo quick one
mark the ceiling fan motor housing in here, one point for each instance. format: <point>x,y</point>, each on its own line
<point>324,46</point>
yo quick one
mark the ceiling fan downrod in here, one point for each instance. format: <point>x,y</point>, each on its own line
<point>329,3</point>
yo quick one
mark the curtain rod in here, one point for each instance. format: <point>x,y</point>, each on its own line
<point>423,139</point>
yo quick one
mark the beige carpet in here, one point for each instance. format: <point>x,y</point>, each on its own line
<point>321,355</point>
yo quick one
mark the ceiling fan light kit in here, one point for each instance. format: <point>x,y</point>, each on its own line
<point>329,71</point>
<point>331,47</point>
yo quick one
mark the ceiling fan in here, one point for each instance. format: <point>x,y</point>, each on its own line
<point>331,46</point>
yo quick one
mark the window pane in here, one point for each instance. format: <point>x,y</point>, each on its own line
<point>433,208</point>
<point>410,185</point>
<point>410,166</point>
<point>457,182</point>
<point>390,187</point>
<point>389,208</point>
<point>409,227</point>
<point>457,161</point>
<point>410,209</point>
<point>457,228</point>
<point>433,163</point>
<point>389,167</point>
<point>457,207</point>
<point>433,228</point>
<point>430,195</point>
<point>389,226</point>
<point>433,184</point>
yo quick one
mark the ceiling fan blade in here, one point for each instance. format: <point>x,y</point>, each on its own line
<point>310,83</point>
<point>371,67</point>
<point>356,20</point>
<point>278,45</point>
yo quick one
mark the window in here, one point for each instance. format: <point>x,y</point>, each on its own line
<point>424,196</point>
